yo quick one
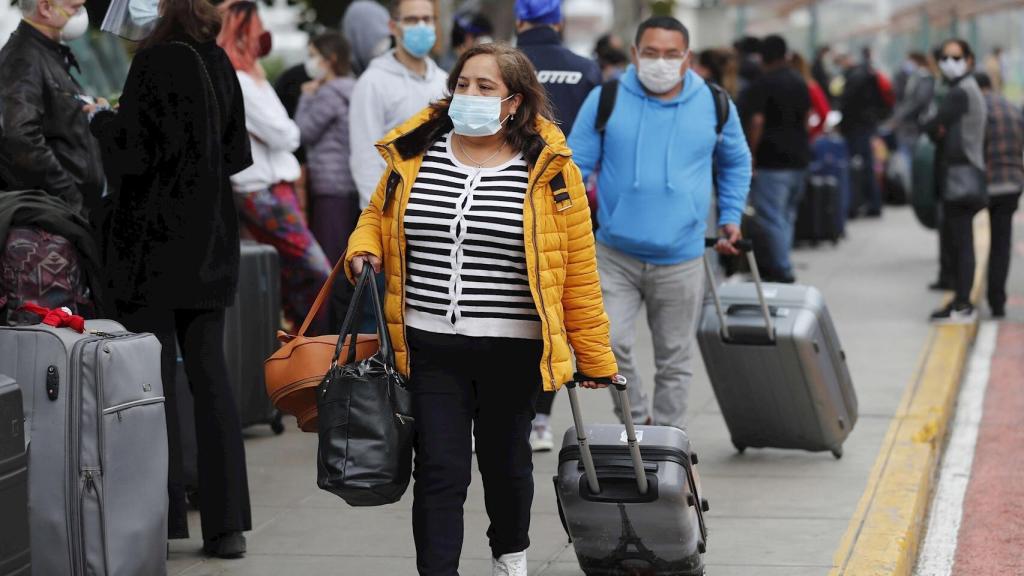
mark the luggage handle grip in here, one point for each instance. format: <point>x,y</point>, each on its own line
<point>589,469</point>
<point>747,248</point>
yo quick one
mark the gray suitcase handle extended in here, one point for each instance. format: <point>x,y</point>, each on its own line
<point>589,469</point>
<point>747,248</point>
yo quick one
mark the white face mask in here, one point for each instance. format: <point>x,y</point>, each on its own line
<point>144,13</point>
<point>660,75</point>
<point>953,69</point>
<point>76,26</point>
<point>314,68</point>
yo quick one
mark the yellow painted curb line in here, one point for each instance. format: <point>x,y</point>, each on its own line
<point>886,529</point>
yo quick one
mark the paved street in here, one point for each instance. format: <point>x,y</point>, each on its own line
<point>772,512</point>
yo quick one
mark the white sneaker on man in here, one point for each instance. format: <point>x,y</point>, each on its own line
<point>541,439</point>
<point>509,565</point>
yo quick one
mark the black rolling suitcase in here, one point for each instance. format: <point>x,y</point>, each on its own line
<point>250,333</point>
<point>818,218</point>
<point>629,497</point>
<point>15,554</point>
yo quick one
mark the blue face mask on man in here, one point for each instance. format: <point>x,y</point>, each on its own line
<point>476,115</point>
<point>418,39</point>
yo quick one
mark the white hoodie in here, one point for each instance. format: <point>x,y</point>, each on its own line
<point>386,95</point>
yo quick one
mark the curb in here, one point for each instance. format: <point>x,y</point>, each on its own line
<point>888,526</point>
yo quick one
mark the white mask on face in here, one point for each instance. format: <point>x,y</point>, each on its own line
<point>660,75</point>
<point>953,69</point>
<point>314,69</point>
<point>76,26</point>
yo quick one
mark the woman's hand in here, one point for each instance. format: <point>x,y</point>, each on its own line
<point>362,259</point>
<point>596,385</point>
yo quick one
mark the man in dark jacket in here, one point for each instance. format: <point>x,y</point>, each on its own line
<point>44,132</point>
<point>566,76</point>
<point>863,107</point>
<point>568,79</point>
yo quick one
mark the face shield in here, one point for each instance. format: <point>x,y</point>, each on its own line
<point>131,19</point>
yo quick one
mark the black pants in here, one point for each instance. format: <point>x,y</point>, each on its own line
<point>223,483</point>
<point>1001,209</point>
<point>545,402</point>
<point>491,385</point>
<point>958,225</point>
<point>946,260</point>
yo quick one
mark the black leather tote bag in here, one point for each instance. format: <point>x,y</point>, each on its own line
<point>365,426</point>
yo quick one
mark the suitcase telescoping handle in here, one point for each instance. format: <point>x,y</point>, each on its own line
<point>619,382</point>
<point>747,248</point>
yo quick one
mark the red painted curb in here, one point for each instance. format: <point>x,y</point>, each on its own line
<point>991,540</point>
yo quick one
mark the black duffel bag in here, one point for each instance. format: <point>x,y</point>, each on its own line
<point>366,427</point>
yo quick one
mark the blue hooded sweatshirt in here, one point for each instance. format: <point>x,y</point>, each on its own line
<point>655,185</point>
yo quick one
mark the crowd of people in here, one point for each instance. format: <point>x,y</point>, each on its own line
<point>474,192</point>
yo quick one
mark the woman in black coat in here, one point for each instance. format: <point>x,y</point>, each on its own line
<point>173,245</point>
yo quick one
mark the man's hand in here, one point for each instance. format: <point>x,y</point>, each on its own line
<point>361,260</point>
<point>729,235</point>
<point>92,109</point>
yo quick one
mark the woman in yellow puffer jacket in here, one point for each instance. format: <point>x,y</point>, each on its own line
<point>482,226</point>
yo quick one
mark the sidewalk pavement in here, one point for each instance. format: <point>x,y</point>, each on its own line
<point>773,512</point>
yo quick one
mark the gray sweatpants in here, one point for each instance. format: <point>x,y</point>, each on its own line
<point>673,296</point>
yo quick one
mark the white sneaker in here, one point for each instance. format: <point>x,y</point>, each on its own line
<point>541,439</point>
<point>509,565</point>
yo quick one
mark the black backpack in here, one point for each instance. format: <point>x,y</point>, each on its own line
<point>610,90</point>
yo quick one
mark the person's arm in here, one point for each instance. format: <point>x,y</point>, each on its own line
<point>952,108</point>
<point>317,112</point>
<point>584,139</point>
<point>366,239</point>
<point>366,121</point>
<point>21,132</point>
<point>266,119</point>
<point>733,171</point>
<point>586,323</point>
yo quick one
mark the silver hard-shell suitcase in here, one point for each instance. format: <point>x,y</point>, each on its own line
<point>97,448</point>
<point>629,497</point>
<point>776,365</point>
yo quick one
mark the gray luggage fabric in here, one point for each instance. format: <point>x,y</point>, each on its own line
<point>97,448</point>
<point>619,529</point>
<point>790,388</point>
<point>14,537</point>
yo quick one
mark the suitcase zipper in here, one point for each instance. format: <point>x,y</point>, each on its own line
<point>122,407</point>
<point>89,485</point>
<point>540,289</point>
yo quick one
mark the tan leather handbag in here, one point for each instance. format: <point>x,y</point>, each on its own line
<point>294,372</point>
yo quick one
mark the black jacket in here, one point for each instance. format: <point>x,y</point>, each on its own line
<point>567,76</point>
<point>861,103</point>
<point>170,150</point>
<point>44,134</point>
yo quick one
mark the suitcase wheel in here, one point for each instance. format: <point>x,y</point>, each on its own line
<point>739,447</point>
<point>837,452</point>
<point>277,424</point>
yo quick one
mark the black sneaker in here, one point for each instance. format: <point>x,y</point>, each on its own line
<point>999,311</point>
<point>955,314</point>
<point>940,286</point>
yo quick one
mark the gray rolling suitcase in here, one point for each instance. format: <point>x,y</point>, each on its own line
<point>776,365</point>
<point>97,448</point>
<point>14,540</point>
<point>629,497</point>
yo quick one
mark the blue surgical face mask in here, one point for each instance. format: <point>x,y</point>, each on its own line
<point>418,39</point>
<point>476,115</point>
<point>144,13</point>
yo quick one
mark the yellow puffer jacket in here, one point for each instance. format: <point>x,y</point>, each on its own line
<point>560,255</point>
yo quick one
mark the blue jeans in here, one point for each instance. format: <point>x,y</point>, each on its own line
<point>775,195</point>
<point>859,142</point>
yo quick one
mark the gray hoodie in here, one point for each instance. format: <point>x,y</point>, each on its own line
<point>365,27</point>
<point>386,95</point>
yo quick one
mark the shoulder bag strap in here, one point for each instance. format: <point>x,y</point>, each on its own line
<point>209,83</point>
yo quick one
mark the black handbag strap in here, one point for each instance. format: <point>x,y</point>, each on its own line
<point>350,327</point>
<point>352,316</point>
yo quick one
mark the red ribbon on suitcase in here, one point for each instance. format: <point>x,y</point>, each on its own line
<point>58,317</point>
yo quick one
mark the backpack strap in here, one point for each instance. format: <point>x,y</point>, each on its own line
<point>606,104</point>
<point>721,98</point>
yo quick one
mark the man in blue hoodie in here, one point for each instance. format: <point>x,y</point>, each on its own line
<point>655,161</point>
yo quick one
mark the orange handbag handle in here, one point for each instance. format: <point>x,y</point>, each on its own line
<point>324,292</point>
